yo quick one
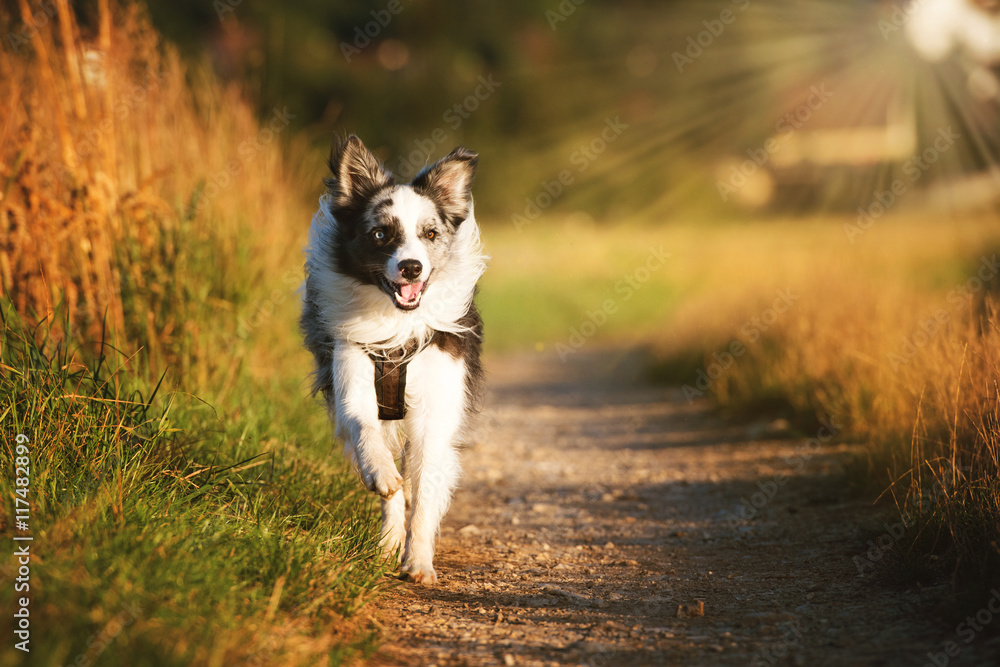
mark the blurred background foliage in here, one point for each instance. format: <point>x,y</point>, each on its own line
<point>701,87</point>
<point>698,85</point>
<point>414,90</point>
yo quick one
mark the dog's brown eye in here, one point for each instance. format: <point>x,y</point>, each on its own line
<point>430,235</point>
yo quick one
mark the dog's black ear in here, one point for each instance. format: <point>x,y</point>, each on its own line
<point>357,174</point>
<point>449,183</point>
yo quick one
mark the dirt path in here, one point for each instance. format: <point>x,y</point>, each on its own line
<point>593,506</point>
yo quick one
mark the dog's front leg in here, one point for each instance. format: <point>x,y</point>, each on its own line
<point>393,535</point>
<point>357,420</point>
<point>437,405</point>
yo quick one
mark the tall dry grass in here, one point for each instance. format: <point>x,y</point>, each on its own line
<point>143,197</point>
<point>897,337</point>
<point>136,193</point>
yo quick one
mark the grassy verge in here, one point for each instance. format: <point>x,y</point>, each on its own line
<point>161,538</point>
<point>187,504</point>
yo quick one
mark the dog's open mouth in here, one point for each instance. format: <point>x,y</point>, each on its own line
<point>406,296</point>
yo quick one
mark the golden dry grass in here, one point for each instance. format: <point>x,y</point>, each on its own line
<point>895,336</point>
<point>140,193</point>
<point>134,189</point>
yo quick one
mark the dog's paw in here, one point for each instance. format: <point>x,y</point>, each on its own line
<point>383,482</point>
<point>418,574</point>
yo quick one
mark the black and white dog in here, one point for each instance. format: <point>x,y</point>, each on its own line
<point>391,272</point>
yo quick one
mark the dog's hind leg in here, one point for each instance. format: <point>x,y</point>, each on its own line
<point>393,525</point>
<point>436,413</point>
<point>407,485</point>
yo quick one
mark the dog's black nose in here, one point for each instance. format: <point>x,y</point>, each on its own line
<point>410,268</point>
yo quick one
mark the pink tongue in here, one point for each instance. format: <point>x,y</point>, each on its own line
<point>410,292</point>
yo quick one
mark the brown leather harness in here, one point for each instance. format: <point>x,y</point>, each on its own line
<point>390,378</point>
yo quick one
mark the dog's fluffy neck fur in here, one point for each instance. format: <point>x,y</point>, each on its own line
<point>359,313</point>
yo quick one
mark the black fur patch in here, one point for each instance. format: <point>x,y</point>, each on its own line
<point>319,342</point>
<point>356,175</point>
<point>467,346</point>
<point>358,253</point>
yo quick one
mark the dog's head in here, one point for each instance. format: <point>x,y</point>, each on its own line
<point>396,236</point>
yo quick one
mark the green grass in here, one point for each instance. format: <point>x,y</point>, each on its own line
<point>547,281</point>
<point>166,533</point>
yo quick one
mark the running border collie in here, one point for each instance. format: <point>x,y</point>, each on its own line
<point>388,313</point>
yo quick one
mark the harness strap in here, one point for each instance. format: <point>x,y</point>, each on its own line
<point>390,379</point>
<point>390,384</point>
